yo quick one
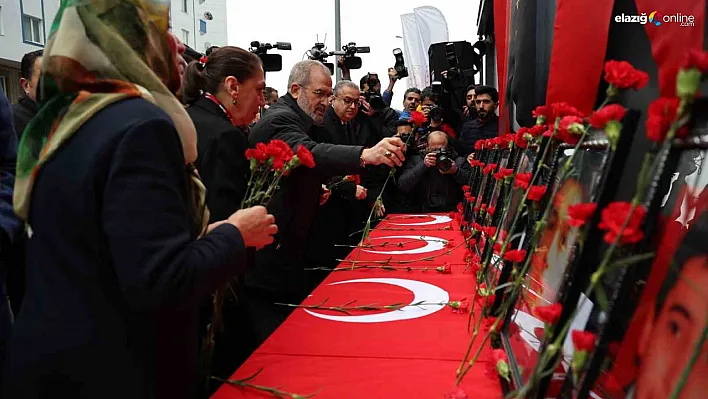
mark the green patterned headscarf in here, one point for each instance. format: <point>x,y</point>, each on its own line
<point>100,52</point>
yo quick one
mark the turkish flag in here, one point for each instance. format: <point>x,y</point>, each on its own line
<point>410,351</point>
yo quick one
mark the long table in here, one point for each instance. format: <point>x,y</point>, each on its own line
<point>408,353</point>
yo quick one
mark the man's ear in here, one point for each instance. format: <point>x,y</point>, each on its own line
<point>295,90</point>
<point>23,83</point>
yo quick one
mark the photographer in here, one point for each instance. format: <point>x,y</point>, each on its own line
<point>437,176</point>
<point>398,200</point>
<point>469,111</point>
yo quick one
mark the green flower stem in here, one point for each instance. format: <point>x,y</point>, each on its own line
<point>244,383</point>
<point>649,167</point>
<point>518,283</point>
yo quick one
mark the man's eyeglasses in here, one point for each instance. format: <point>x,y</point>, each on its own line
<point>319,93</point>
<point>350,101</point>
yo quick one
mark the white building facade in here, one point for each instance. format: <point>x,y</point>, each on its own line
<point>25,24</point>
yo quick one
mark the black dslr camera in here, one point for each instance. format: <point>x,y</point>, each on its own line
<point>435,113</point>
<point>400,65</point>
<point>371,95</point>
<point>444,159</point>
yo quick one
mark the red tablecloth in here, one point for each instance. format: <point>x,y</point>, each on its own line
<point>409,353</point>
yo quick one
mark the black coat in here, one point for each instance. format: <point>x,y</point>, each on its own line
<point>278,269</point>
<point>438,192</point>
<point>474,130</point>
<point>114,269</point>
<point>22,112</point>
<point>221,162</point>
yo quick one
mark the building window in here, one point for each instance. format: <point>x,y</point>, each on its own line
<point>32,29</point>
<point>184,6</point>
<point>202,26</point>
<point>185,36</point>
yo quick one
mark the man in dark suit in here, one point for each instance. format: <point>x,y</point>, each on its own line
<point>338,216</point>
<point>296,118</point>
<point>10,225</point>
<point>27,107</point>
<point>486,125</point>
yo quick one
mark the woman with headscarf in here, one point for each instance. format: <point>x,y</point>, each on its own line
<point>119,252</point>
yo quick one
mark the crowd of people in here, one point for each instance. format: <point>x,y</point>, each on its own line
<point>120,207</point>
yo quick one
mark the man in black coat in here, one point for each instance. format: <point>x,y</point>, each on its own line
<point>296,118</point>
<point>486,125</point>
<point>27,107</point>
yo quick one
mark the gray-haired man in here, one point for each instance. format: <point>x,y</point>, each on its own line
<point>296,118</point>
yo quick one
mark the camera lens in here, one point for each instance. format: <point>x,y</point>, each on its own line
<point>443,161</point>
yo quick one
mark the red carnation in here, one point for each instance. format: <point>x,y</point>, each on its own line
<point>661,113</point>
<point>541,112</point>
<point>549,314</point>
<point>622,75</point>
<point>612,112</point>
<point>444,269</point>
<point>537,130</point>
<point>613,217</point>
<point>466,188</point>
<point>522,137</point>
<point>563,109</point>
<point>418,118</point>
<point>491,210</point>
<point>536,193</point>
<point>515,256</point>
<point>489,168</point>
<point>523,180</point>
<point>696,59</point>
<point>478,144</point>
<point>503,173</point>
<point>579,213</point>
<point>258,153</point>
<point>570,129</point>
<point>583,340</point>
<point>461,306</point>
<point>278,149</point>
<point>305,157</point>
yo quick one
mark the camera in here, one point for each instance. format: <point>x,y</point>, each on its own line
<point>400,65</point>
<point>435,113</point>
<point>350,60</point>
<point>271,62</point>
<point>444,159</point>
<point>371,95</point>
<point>319,53</point>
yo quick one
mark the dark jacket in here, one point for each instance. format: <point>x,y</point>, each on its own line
<point>9,223</point>
<point>475,130</point>
<point>438,192</point>
<point>221,163</point>
<point>114,269</point>
<point>22,112</point>
<point>279,267</point>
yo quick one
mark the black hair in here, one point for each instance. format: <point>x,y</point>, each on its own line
<point>411,90</point>
<point>427,93</point>
<point>471,87</point>
<point>191,54</point>
<point>365,80</point>
<point>27,63</point>
<point>268,91</point>
<point>491,91</point>
<point>223,62</point>
<point>692,245</point>
<point>403,122</point>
